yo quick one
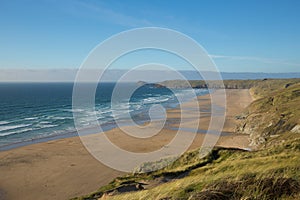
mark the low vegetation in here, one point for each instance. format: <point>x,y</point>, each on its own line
<point>261,86</point>
<point>275,112</point>
<point>272,171</point>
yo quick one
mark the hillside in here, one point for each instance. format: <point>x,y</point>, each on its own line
<point>275,112</point>
<point>272,171</point>
<point>260,85</point>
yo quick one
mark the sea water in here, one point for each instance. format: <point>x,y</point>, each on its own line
<point>41,111</point>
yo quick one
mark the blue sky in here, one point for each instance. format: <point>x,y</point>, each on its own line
<point>241,36</point>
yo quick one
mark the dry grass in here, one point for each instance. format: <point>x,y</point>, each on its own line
<point>272,173</point>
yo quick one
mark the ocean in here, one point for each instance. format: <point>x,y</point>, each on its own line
<point>33,112</point>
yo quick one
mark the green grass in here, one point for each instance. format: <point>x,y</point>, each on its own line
<point>261,87</point>
<point>272,173</point>
<point>275,112</point>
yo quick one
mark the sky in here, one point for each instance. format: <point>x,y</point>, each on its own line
<point>240,36</point>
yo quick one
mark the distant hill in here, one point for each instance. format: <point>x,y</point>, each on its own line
<point>191,75</point>
<point>227,84</point>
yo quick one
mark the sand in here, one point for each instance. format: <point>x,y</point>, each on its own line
<point>62,169</point>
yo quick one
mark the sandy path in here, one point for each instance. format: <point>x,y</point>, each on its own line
<point>63,168</point>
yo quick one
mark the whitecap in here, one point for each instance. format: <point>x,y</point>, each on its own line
<point>48,126</point>
<point>61,118</point>
<point>15,132</point>
<point>151,100</point>
<point>45,122</point>
<point>4,122</point>
<point>11,127</point>
<point>31,118</point>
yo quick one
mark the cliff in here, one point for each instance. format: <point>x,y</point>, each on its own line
<point>275,112</point>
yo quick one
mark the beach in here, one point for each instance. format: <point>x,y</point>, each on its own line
<point>62,169</point>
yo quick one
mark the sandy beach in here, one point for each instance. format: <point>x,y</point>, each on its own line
<point>62,169</point>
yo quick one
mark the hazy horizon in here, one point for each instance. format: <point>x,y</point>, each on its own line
<point>69,75</point>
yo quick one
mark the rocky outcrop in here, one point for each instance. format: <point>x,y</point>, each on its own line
<point>262,126</point>
<point>156,85</point>
<point>271,115</point>
<point>296,129</point>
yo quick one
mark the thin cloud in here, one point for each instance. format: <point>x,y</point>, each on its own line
<point>105,14</point>
<point>257,59</point>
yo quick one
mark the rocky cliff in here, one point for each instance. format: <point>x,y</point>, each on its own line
<point>276,111</point>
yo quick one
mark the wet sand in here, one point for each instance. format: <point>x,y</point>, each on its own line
<point>62,169</point>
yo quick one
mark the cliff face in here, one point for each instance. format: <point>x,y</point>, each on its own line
<point>272,114</point>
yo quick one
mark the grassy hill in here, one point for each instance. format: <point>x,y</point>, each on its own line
<point>272,171</point>
<point>259,85</point>
<point>275,112</point>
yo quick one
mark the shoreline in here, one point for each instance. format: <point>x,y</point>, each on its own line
<point>62,169</point>
<point>89,131</point>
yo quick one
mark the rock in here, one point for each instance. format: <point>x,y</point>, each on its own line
<point>274,136</point>
<point>287,85</point>
<point>296,129</point>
